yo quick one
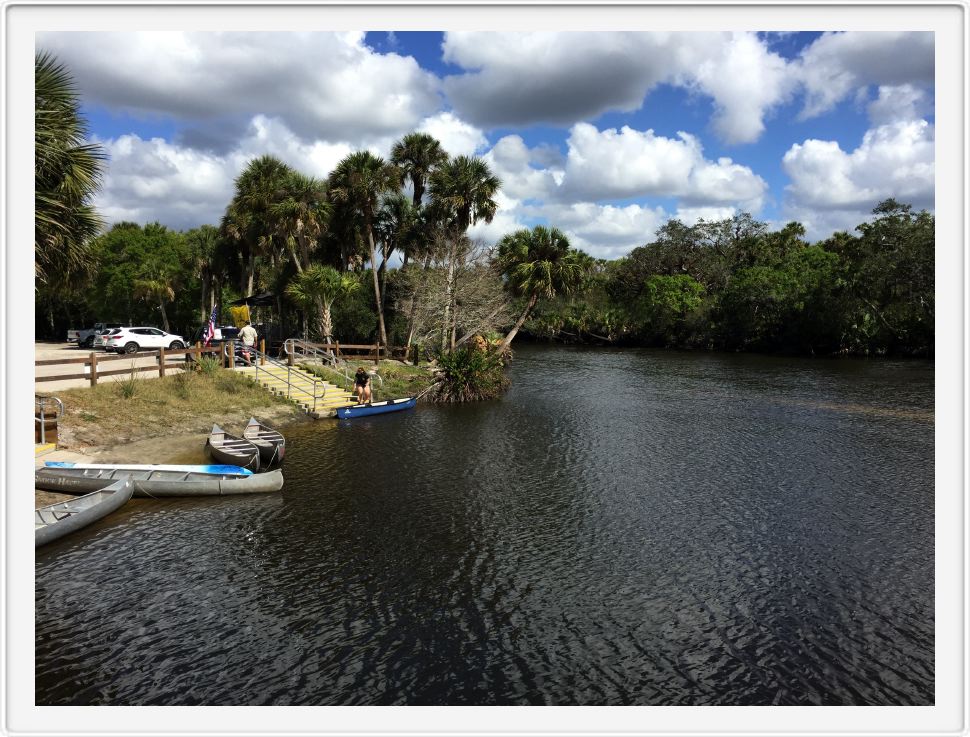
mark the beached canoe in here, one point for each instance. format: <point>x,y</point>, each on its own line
<point>156,483</point>
<point>57,520</point>
<point>271,443</point>
<point>222,447</point>
<point>230,470</point>
<point>377,408</point>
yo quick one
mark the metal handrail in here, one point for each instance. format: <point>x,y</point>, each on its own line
<point>298,346</point>
<point>263,358</point>
<point>39,405</point>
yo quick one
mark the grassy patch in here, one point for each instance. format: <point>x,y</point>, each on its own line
<point>399,380</point>
<point>162,406</point>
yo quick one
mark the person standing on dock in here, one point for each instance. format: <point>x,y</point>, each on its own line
<point>248,337</point>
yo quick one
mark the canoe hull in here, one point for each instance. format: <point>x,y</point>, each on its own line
<point>377,408</point>
<point>270,442</point>
<point>156,483</point>
<point>57,520</point>
<point>248,460</point>
<point>219,468</point>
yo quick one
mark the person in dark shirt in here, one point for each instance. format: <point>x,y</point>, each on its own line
<point>362,386</point>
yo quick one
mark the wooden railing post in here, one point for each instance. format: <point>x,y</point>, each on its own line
<point>290,361</point>
<point>94,369</point>
<point>262,351</point>
<point>232,356</point>
<point>161,363</point>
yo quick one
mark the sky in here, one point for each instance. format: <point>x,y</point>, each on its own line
<point>606,136</point>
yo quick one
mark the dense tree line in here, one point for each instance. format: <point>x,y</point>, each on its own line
<point>735,285</point>
<point>379,250</point>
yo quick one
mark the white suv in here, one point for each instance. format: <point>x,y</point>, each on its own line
<point>130,340</point>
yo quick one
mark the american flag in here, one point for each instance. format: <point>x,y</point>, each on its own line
<point>210,329</point>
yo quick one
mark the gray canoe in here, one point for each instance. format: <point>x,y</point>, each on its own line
<point>57,520</point>
<point>154,483</point>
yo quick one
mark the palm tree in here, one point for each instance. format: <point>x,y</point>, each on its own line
<point>202,243</point>
<point>539,263</point>
<point>397,228</point>
<point>249,219</point>
<point>301,216</point>
<point>67,173</point>
<point>360,181</point>
<point>464,188</point>
<point>417,155</point>
<point>462,192</point>
<point>322,286</point>
<point>156,287</point>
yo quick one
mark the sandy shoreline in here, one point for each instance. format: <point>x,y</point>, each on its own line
<point>183,447</point>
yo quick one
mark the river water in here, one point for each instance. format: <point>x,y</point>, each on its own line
<point>623,527</point>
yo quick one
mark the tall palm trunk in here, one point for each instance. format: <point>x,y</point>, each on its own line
<point>449,296</point>
<point>327,323</point>
<point>377,286</point>
<point>161,306</point>
<point>507,340</point>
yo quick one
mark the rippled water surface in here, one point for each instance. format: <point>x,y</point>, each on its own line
<point>623,527</point>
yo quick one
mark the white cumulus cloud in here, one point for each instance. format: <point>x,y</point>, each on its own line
<point>629,163</point>
<point>456,136</point>
<point>894,160</point>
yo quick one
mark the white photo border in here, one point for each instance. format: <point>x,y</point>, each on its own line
<point>948,20</point>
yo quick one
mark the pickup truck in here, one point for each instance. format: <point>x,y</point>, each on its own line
<point>85,338</point>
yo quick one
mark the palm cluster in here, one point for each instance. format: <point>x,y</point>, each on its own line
<point>305,230</point>
<point>295,235</point>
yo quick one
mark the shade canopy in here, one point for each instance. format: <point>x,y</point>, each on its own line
<point>266,299</point>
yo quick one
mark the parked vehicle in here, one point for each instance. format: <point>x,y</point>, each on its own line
<point>85,338</point>
<point>101,339</point>
<point>130,340</point>
<point>223,334</point>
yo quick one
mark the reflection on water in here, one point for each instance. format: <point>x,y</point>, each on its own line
<point>624,527</point>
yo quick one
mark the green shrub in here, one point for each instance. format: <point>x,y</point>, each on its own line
<point>128,387</point>
<point>209,365</point>
<point>469,374</point>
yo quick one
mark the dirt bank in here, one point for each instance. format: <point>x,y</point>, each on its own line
<point>88,444</point>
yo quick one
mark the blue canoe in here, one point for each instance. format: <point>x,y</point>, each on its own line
<point>377,408</point>
<point>219,468</point>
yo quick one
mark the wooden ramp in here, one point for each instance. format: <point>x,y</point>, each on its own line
<point>298,386</point>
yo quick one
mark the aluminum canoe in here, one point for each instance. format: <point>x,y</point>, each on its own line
<point>57,520</point>
<point>270,442</point>
<point>156,483</point>
<point>222,447</point>
<point>221,468</point>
